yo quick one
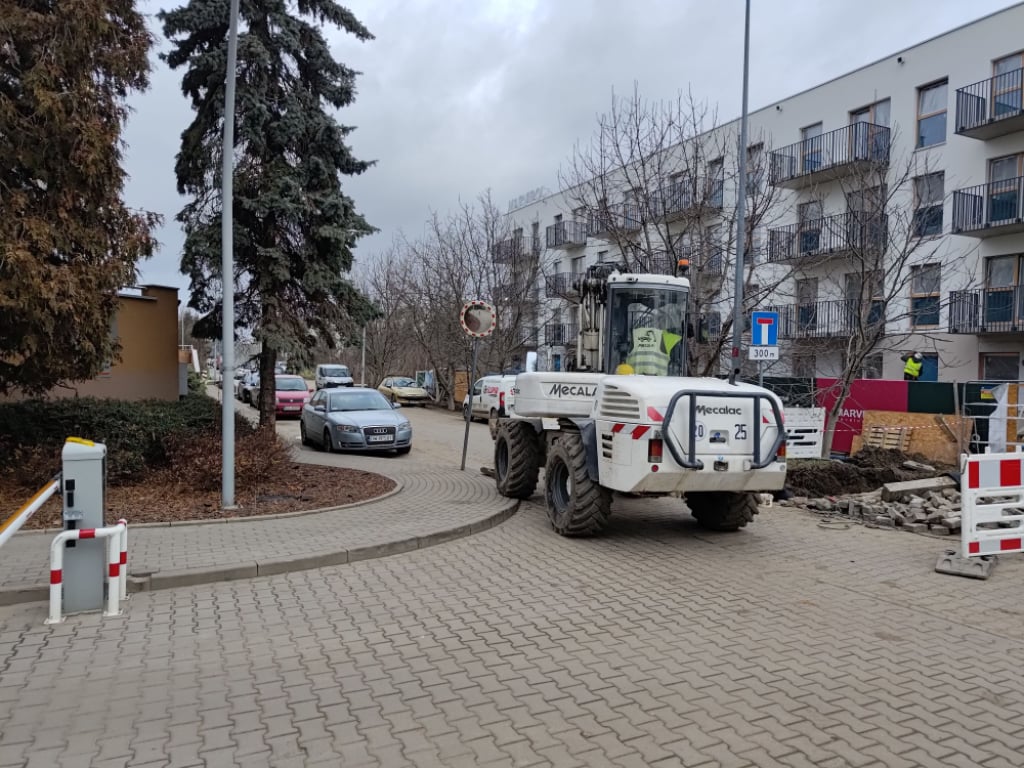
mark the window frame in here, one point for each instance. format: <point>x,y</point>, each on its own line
<point>921,297</point>
<point>932,212</point>
<point>921,116</point>
<point>984,358</point>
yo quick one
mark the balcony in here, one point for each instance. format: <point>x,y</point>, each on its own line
<point>566,234</point>
<point>833,319</point>
<point>856,148</point>
<point>991,107</point>
<point>514,248</point>
<point>987,310</point>
<point>625,217</point>
<point>829,237</point>
<point>563,285</point>
<point>560,334</point>
<point>686,197</point>
<point>655,263</point>
<point>989,210</point>
<point>707,259</point>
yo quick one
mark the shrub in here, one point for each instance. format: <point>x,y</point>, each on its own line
<point>195,461</point>
<point>137,434</point>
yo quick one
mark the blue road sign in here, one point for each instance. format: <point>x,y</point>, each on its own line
<point>764,329</point>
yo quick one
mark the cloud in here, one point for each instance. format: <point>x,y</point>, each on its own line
<point>458,96</point>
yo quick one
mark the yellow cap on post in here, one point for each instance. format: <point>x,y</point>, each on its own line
<point>80,441</point>
<point>624,369</point>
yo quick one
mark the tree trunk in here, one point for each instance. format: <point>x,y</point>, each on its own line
<point>832,418</point>
<point>268,392</point>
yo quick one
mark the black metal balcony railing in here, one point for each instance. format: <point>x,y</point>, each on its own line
<point>829,235</point>
<point>987,310</point>
<point>998,204</point>
<point>987,108</point>
<point>836,318</point>
<point>707,258</point>
<point>562,285</point>
<point>566,234</point>
<point>560,334</point>
<point>512,248</point>
<point>625,217</point>
<point>827,155</point>
<point>655,263</point>
<point>687,195</point>
<point>526,335</point>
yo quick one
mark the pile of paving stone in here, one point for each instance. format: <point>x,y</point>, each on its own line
<point>927,505</point>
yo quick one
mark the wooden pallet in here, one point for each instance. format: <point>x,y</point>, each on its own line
<point>894,438</point>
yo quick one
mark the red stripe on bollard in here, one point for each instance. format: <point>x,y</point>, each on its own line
<point>55,577</point>
<point>87,533</point>
<point>115,570</point>
<point>124,558</point>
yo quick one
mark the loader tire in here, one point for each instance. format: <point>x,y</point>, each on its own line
<point>722,510</point>
<point>517,456</point>
<point>577,505</point>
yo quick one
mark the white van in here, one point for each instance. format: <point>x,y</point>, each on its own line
<point>333,375</point>
<point>490,399</point>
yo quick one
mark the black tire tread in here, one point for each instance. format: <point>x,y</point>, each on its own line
<point>724,511</point>
<point>524,456</point>
<point>590,503</point>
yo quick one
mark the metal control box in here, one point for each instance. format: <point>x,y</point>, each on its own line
<point>84,488</point>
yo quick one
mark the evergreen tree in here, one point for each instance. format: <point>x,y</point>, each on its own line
<point>294,227</point>
<point>67,241</point>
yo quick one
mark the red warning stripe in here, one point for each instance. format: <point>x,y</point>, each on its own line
<point>616,428</point>
<point>55,577</point>
<point>87,533</point>
<point>640,431</point>
<point>1005,545</point>
<point>654,414</point>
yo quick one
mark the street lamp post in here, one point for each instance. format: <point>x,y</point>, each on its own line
<point>741,204</point>
<point>228,264</point>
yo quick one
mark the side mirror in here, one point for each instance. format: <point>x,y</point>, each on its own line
<point>396,405</point>
<point>319,407</point>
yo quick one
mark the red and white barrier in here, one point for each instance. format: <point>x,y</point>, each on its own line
<point>12,524</point>
<point>992,504</point>
<point>117,566</point>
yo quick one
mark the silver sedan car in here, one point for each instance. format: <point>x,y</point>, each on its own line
<point>354,419</point>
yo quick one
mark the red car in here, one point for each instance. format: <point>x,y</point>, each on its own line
<point>290,394</point>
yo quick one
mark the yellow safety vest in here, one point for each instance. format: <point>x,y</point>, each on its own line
<point>647,356</point>
<point>913,367</point>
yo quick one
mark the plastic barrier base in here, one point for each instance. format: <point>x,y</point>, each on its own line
<point>952,563</point>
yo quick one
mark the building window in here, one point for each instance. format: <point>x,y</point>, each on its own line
<point>1004,276</point>
<point>931,114</point>
<point>1006,85</point>
<point>929,192</point>
<point>602,257</point>
<point>810,148</point>
<point>876,114</point>
<point>1000,367</point>
<point>809,215</point>
<point>872,367</point>
<point>576,266</point>
<point>1004,188</point>
<point>716,182</point>
<point>925,285</point>
<point>755,168</point>
<point>805,366</point>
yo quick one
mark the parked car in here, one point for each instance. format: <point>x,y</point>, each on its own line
<point>491,400</point>
<point>402,389</point>
<point>354,419</point>
<point>332,375</point>
<point>248,387</point>
<point>290,394</point>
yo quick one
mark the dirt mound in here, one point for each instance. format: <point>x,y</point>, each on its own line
<point>867,470</point>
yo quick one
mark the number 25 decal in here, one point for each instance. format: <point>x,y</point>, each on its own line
<point>741,432</point>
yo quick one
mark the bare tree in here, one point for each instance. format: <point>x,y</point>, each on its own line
<point>880,265</point>
<point>654,181</point>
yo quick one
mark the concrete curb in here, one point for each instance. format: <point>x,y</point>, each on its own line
<point>148,582</point>
<point>247,518</point>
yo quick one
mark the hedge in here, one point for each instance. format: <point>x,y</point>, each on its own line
<point>137,433</point>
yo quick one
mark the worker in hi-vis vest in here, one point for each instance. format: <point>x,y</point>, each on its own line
<point>652,350</point>
<point>914,364</point>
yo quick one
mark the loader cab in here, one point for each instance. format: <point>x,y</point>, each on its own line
<point>645,325</point>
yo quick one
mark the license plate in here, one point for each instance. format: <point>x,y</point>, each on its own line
<point>380,439</point>
<point>291,407</point>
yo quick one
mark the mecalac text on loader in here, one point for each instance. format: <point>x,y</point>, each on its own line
<point>723,410</point>
<point>572,390</point>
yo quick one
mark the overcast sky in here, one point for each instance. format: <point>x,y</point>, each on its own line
<point>458,96</point>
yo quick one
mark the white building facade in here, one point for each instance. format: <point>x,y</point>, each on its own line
<point>887,208</point>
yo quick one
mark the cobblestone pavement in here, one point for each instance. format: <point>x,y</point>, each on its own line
<point>787,644</point>
<point>436,497</point>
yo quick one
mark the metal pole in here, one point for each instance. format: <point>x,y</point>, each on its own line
<point>741,203</point>
<point>228,264</point>
<point>362,375</point>
<point>469,420</point>
<point>760,373</point>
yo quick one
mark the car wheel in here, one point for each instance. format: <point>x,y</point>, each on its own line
<point>328,441</point>
<point>302,432</point>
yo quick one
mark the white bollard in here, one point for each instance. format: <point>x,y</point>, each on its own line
<point>117,552</point>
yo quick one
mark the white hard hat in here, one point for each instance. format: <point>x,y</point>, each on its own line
<point>917,355</point>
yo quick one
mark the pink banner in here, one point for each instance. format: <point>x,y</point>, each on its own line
<point>865,395</point>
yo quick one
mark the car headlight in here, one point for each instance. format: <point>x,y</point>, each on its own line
<point>404,426</point>
<point>347,428</point>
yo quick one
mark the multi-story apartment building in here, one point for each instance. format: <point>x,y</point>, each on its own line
<point>887,210</point>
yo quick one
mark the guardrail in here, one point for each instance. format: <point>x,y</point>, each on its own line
<point>117,566</point>
<point>13,524</point>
